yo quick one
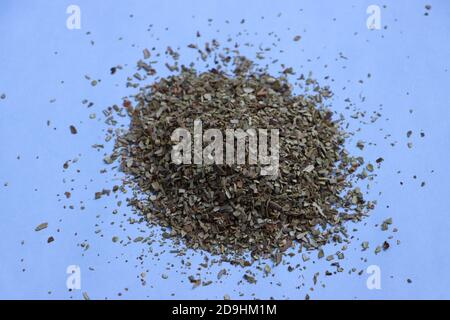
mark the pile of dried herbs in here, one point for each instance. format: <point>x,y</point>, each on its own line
<point>233,209</point>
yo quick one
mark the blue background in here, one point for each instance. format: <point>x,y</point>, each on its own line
<point>408,62</point>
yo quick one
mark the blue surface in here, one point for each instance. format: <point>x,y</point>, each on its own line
<point>408,63</point>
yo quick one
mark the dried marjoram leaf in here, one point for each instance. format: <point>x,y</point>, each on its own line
<point>42,226</point>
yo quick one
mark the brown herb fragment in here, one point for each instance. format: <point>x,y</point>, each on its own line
<point>73,130</point>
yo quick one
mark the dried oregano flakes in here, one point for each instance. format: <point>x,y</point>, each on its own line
<point>232,208</point>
